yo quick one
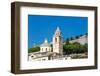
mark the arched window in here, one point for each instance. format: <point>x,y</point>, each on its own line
<point>42,49</point>
<point>46,49</point>
<point>49,49</point>
<point>55,39</point>
<point>32,56</point>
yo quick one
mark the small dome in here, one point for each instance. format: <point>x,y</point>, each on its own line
<point>45,44</point>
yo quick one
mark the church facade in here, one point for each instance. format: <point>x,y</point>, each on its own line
<point>50,51</point>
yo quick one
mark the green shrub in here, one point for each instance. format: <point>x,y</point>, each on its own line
<point>34,49</point>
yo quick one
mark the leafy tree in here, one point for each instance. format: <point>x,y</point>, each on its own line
<point>76,43</point>
<point>76,37</point>
<point>80,35</point>
<point>51,47</point>
<point>86,33</point>
<point>74,48</point>
<point>67,41</point>
<point>71,38</point>
<point>85,47</point>
<point>34,49</point>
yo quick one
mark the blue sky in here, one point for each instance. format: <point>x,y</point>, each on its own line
<point>42,26</point>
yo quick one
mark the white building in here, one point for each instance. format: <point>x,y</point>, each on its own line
<point>45,47</point>
<point>47,52</point>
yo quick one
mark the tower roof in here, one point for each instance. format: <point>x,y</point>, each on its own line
<point>58,29</point>
<point>57,32</point>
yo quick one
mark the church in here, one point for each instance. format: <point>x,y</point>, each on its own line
<point>48,52</point>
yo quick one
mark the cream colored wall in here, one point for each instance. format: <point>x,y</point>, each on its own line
<point>43,49</point>
<point>57,46</point>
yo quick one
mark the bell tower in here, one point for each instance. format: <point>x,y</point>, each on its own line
<point>57,42</point>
